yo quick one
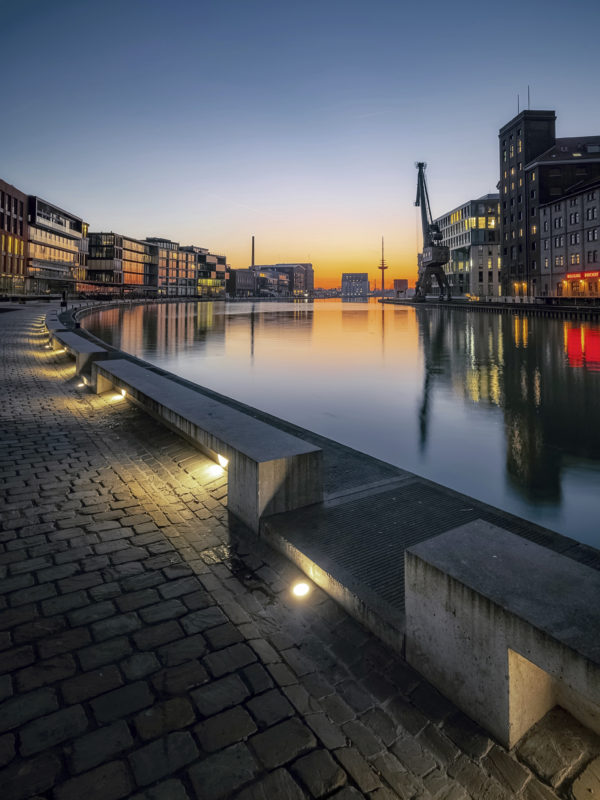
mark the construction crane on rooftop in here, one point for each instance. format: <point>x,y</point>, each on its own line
<point>435,254</point>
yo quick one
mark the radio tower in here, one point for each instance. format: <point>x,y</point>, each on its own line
<point>382,267</point>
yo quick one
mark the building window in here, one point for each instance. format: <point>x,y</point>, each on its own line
<point>592,235</point>
<point>591,195</point>
<point>573,202</point>
<point>591,213</point>
<point>532,194</point>
<point>559,261</point>
<point>574,218</point>
<point>573,238</point>
<point>545,263</point>
<point>574,258</point>
<point>558,222</point>
<point>534,229</point>
<point>546,241</point>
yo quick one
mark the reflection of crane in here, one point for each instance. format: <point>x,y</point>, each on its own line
<point>434,254</point>
<point>432,335</point>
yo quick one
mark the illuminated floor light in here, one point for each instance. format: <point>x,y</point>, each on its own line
<point>222,460</point>
<point>300,589</point>
<point>80,385</point>
<point>215,471</point>
<point>123,393</point>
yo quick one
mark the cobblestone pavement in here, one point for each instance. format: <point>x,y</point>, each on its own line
<point>150,650</point>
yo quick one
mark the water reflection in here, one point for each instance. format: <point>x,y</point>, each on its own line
<point>538,371</point>
<point>498,406</point>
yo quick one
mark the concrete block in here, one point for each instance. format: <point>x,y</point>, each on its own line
<point>503,627</point>
<point>84,352</point>
<point>268,470</point>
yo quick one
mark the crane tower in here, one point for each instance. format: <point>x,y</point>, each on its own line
<point>434,255</point>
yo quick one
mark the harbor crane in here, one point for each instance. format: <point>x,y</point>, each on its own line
<point>435,254</point>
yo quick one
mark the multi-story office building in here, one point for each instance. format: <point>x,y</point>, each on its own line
<point>120,264</point>
<point>213,273</point>
<point>241,283</point>
<point>539,177</point>
<point>301,277</point>
<point>13,239</point>
<point>355,284</point>
<point>57,252</point>
<point>165,260</point>
<point>471,232</point>
<point>272,283</point>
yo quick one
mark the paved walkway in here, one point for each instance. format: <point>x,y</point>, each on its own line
<point>149,649</point>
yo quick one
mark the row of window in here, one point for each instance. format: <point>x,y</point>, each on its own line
<point>574,260</point>
<point>10,205</point>
<point>10,245</point>
<point>11,224</point>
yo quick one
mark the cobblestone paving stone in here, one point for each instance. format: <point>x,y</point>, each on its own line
<point>149,647</point>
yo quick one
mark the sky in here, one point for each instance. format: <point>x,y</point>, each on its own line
<point>208,121</point>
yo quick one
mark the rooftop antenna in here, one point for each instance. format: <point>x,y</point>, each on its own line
<point>518,104</point>
<point>382,267</point>
<point>528,98</point>
<point>252,251</point>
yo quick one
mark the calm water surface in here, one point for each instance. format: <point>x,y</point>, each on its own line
<point>503,408</point>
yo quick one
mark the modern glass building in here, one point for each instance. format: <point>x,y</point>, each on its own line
<point>471,232</point>
<point>119,264</point>
<point>57,252</point>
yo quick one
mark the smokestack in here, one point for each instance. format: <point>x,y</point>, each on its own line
<point>252,251</point>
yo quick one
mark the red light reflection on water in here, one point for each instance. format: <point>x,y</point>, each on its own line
<point>582,345</point>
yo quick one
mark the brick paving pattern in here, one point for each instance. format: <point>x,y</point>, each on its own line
<point>149,648</point>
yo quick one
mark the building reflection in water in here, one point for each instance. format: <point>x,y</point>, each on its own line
<point>539,372</point>
<point>498,406</point>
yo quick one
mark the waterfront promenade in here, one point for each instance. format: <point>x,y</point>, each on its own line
<point>150,648</point>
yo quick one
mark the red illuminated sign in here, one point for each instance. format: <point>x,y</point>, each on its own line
<point>573,276</point>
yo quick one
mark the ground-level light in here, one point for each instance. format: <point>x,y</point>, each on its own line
<point>300,589</point>
<point>222,460</point>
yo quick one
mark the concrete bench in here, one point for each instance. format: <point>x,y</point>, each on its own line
<point>268,471</point>
<point>504,628</point>
<point>84,351</point>
<point>53,323</point>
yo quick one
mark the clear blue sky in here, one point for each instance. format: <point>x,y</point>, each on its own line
<point>299,122</point>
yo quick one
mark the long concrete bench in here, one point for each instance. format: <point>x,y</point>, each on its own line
<point>504,628</point>
<point>268,470</point>
<point>84,351</point>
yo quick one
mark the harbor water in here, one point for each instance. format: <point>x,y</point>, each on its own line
<point>505,408</point>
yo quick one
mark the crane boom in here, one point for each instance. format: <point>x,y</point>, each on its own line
<point>434,255</point>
